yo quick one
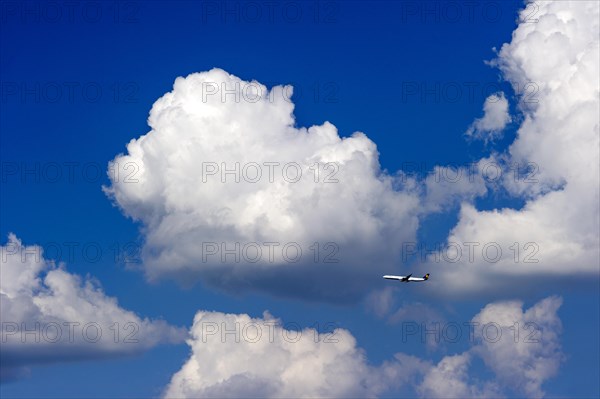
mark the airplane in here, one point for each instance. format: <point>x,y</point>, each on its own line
<point>406,279</point>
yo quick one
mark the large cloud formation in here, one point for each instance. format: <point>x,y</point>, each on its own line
<point>48,315</point>
<point>236,355</point>
<point>224,172</point>
<point>227,191</point>
<point>557,232</point>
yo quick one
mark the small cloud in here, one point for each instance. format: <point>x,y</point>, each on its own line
<point>520,347</point>
<point>417,312</point>
<point>380,302</point>
<point>494,120</point>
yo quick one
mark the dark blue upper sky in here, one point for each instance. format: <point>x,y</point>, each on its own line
<point>78,83</point>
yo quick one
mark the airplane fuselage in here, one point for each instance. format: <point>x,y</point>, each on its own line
<point>406,279</point>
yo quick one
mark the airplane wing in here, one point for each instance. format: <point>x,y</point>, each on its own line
<point>400,278</point>
<point>389,277</point>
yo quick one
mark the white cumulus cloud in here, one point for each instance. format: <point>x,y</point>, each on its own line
<point>450,378</point>
<point>235,355</point>
<point>524,350</point>
<point>520,347</point>
<point>229,190</point>
<point>50,315</point>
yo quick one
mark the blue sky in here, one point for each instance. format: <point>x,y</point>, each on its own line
<point>360,66</point>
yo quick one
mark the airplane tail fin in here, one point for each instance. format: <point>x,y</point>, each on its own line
<point>426,277</point>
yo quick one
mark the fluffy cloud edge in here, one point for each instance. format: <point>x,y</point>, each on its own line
<point>50,315</point>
